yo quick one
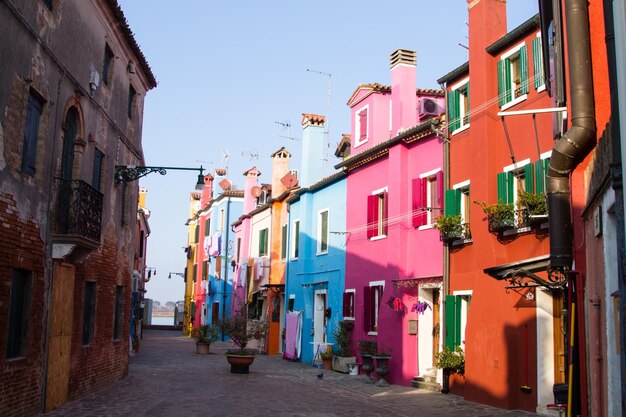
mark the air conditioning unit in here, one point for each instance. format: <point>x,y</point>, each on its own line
<point>429,106</point>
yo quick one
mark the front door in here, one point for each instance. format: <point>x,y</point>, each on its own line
<point>60,337</point>
<point>319,318</point>
<point>436,325</point>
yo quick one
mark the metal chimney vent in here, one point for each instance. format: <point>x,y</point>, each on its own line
<point>403,56</point>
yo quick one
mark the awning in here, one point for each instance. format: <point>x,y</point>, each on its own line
<point>415,282</point>
<point>516,272</point>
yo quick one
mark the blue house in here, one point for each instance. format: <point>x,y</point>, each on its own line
<point>314,286</point>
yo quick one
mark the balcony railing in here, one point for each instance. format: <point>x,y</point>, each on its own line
<point>459,232</point>
<point>80,210</point>
<point>514,219</point>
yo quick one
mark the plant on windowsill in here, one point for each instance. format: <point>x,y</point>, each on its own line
<point>204,335</point>
<point>533,206</point>
<point>451,362</point>
<point>500,216</point>
<point>342,334</point>
<point>450,228</point>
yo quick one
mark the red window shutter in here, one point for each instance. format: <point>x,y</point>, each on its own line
<point>371,215</point>
<point>419,214</point>
<point>367,309</point>
<point>346,304</point>
<point>363,124</point>
<point>385,213</point>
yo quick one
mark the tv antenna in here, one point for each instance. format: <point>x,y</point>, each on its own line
<point>224,160</point>
<point>286,125</point>
<point>253,154</point>
<point>329,75</point>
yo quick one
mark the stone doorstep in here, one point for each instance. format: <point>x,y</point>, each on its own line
<point>421,383</point>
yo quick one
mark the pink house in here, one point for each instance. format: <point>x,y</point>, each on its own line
<point>394,259</point>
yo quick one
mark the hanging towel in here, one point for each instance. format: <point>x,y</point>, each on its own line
<point>214,248</point>
<point>258,268</point>
<point>292,335</point>
<point>207,245</point>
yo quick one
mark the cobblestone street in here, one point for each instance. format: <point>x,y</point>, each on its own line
<point>167,378</point>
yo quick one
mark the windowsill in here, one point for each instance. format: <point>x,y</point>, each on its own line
<point>541,88</point>
<point>426,227</point>
<point>372,333</point>
<point>359,143</point>
<point>461,129</point>
<point>379,237</point>
<point>514,102</point>
<point>349,318</point>
<point>321,253</point>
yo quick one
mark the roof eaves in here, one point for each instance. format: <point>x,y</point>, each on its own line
<point>516,34</point>
<point>454,74</point>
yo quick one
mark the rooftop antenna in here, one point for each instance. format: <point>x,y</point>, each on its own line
<point>328,116</point>
<point>225,156</point>
<point>288,126</point>
<point>253,154</point>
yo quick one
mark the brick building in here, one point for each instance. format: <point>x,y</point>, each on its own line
<point>72,85</point>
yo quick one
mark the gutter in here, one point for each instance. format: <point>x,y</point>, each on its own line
<point>577,142</point>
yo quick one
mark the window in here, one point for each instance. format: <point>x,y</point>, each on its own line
<point>372,295</point>
<point>513,76</point>
<point>538,64</point>
<point>263,242</point>
<point>195,272</point>
<point>348,305</point>
<point>89,312</point>
<point>98,156</point>
<point>107,66</point>
<point>196,231</point>
<point>142,238</point>
<point>283,243</point>
<point>457,307</point>
<point>322,232</point>
<point>31,133</point>
<point>291,302</point>
<point>19,313</point>
<point>296,239</point>
<point>427,200</point>
<point>377,214</point>
<point>458,105</point>
<point>118,313</point>
<point>221,220</point>
<point>361,126</point>
<point>131,101</point>
<point>205,267</point>
<point>515,178</point>
<point>238,248</point>
<point>457,202</point>
<point>207,226</point>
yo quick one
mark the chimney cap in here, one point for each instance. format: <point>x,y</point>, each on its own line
<point>403,56</point>
<point>312,119</point>
<point>253,172</point>
<point>281,150</point>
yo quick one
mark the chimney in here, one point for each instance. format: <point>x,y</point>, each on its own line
<point>312,169</point>
<point>207,191</point>
<point>142,197</point>
<point>280,167</point>
<point>250,188</point>
<point>403,90</point>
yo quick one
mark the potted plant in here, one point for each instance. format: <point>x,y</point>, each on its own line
<point>451,362</point>
<point>204,335</point>
<point>241,331</point>
<point>501,216</point>
<point>368,349</point>
<point>450,228</point>
<point>533,206</point>
<point>343,343</point>
<point>327,360</point>
<point>382,357</point>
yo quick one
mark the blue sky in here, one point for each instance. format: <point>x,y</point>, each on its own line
<point>228,71</point>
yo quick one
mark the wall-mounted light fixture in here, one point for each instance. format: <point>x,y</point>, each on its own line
<point>128,173</point>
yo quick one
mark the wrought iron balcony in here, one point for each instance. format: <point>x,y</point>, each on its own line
<point>458,232</point>
<point>79,215</point>
<point>515,219</point>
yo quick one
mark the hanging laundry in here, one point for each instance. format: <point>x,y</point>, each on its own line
<point>207,245</point>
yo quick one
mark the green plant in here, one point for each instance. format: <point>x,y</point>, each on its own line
<point>343,338</point>
<point>500,214</point>
<point>534,203</point>
<point>452,361</point>
<point>383,351</point>
<point>326,355</point>
<point>368,347</point>
<point>450,226</point>
<point>241,331</point>
<point>206,333</point>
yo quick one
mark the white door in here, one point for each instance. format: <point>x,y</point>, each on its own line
<point>319,319</point>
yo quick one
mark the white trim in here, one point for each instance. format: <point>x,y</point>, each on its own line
<point>546,155</point>
<point>430,173</point>
<point>426,226</point>
<point>357,126</point>
<point>514,102</point>
<point>322,291</point>
<point>512,51</point>
<point>461,129</point>
<point>319,231</point>
<point>372,333</point>
<point>377,283</point>
<point>541,88</point>
<point>462,126</point>
<point>533,111</point>
<point>377,237</point>
<point>462,292</point>
<point>380,190</point>
<point>353,292</point>
<point>462,184</point>
<point>292,296</point>
<point>292,239</point>
<point>516,166</point>
<point>460,84</point>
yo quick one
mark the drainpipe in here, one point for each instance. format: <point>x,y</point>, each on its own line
<point>226,266</point>
<point>578,141</point>
<point>446,249</point>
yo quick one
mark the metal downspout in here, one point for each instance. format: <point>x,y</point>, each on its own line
<point>226,266</point>
<point>578,141</point>
<point>446,249</point>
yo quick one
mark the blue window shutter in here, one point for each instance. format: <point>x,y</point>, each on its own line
<point>529,178</point>
<point>523,57</point>
<point>31,133</point>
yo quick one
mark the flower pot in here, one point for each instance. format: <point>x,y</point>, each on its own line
<point>368,367</point>
<point>382,369</point>
<point>202,348</point>
<point>342,363</point>
<point>239,363</point>
<point>328,364</point>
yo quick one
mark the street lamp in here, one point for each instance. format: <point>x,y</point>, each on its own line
<point>180,274</point>
<point>128,173</point>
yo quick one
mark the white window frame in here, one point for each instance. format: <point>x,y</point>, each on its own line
<point>357,126</point>
<point>293,239</point>
<point>353,292</point>
<point>319,231</point>
<point>429,215</point>
<point>376,306</point>
<point>517,169</point>
<point>463,112</point>
<point>221,220</point>
<point>381,219</point>
<point>514,100</point>
<point>463,186</point>
<point>464,311</point>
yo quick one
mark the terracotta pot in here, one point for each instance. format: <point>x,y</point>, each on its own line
<point>239,364</point>
<point>202,348</point>
<point>328,364</point>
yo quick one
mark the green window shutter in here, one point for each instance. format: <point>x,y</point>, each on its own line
<point>207,227</point>
<point>283,248</point>
<point>452,337</point>
<point>262,248</point>
<point>453,110</point>
<point>452,204</point>
<point>195,271</point>
<point>197,236</point>
<point>523,58</point>
<point>505,187</point>
<point>204,270</point>
<point>504,82</point>
<point>539,177</point>
<point>529,178</point>
<point>538,62</point>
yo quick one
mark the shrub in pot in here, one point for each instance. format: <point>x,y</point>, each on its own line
<point>343,346</point>
<point>204,335</point>
<point>451,362</point>
<point>241,330</point>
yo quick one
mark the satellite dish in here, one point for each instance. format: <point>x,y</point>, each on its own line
<point>289,180</point>
<point>225,184</point>
<point>256,191</point>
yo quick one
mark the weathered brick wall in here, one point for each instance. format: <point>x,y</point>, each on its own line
<point>21,247</point>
